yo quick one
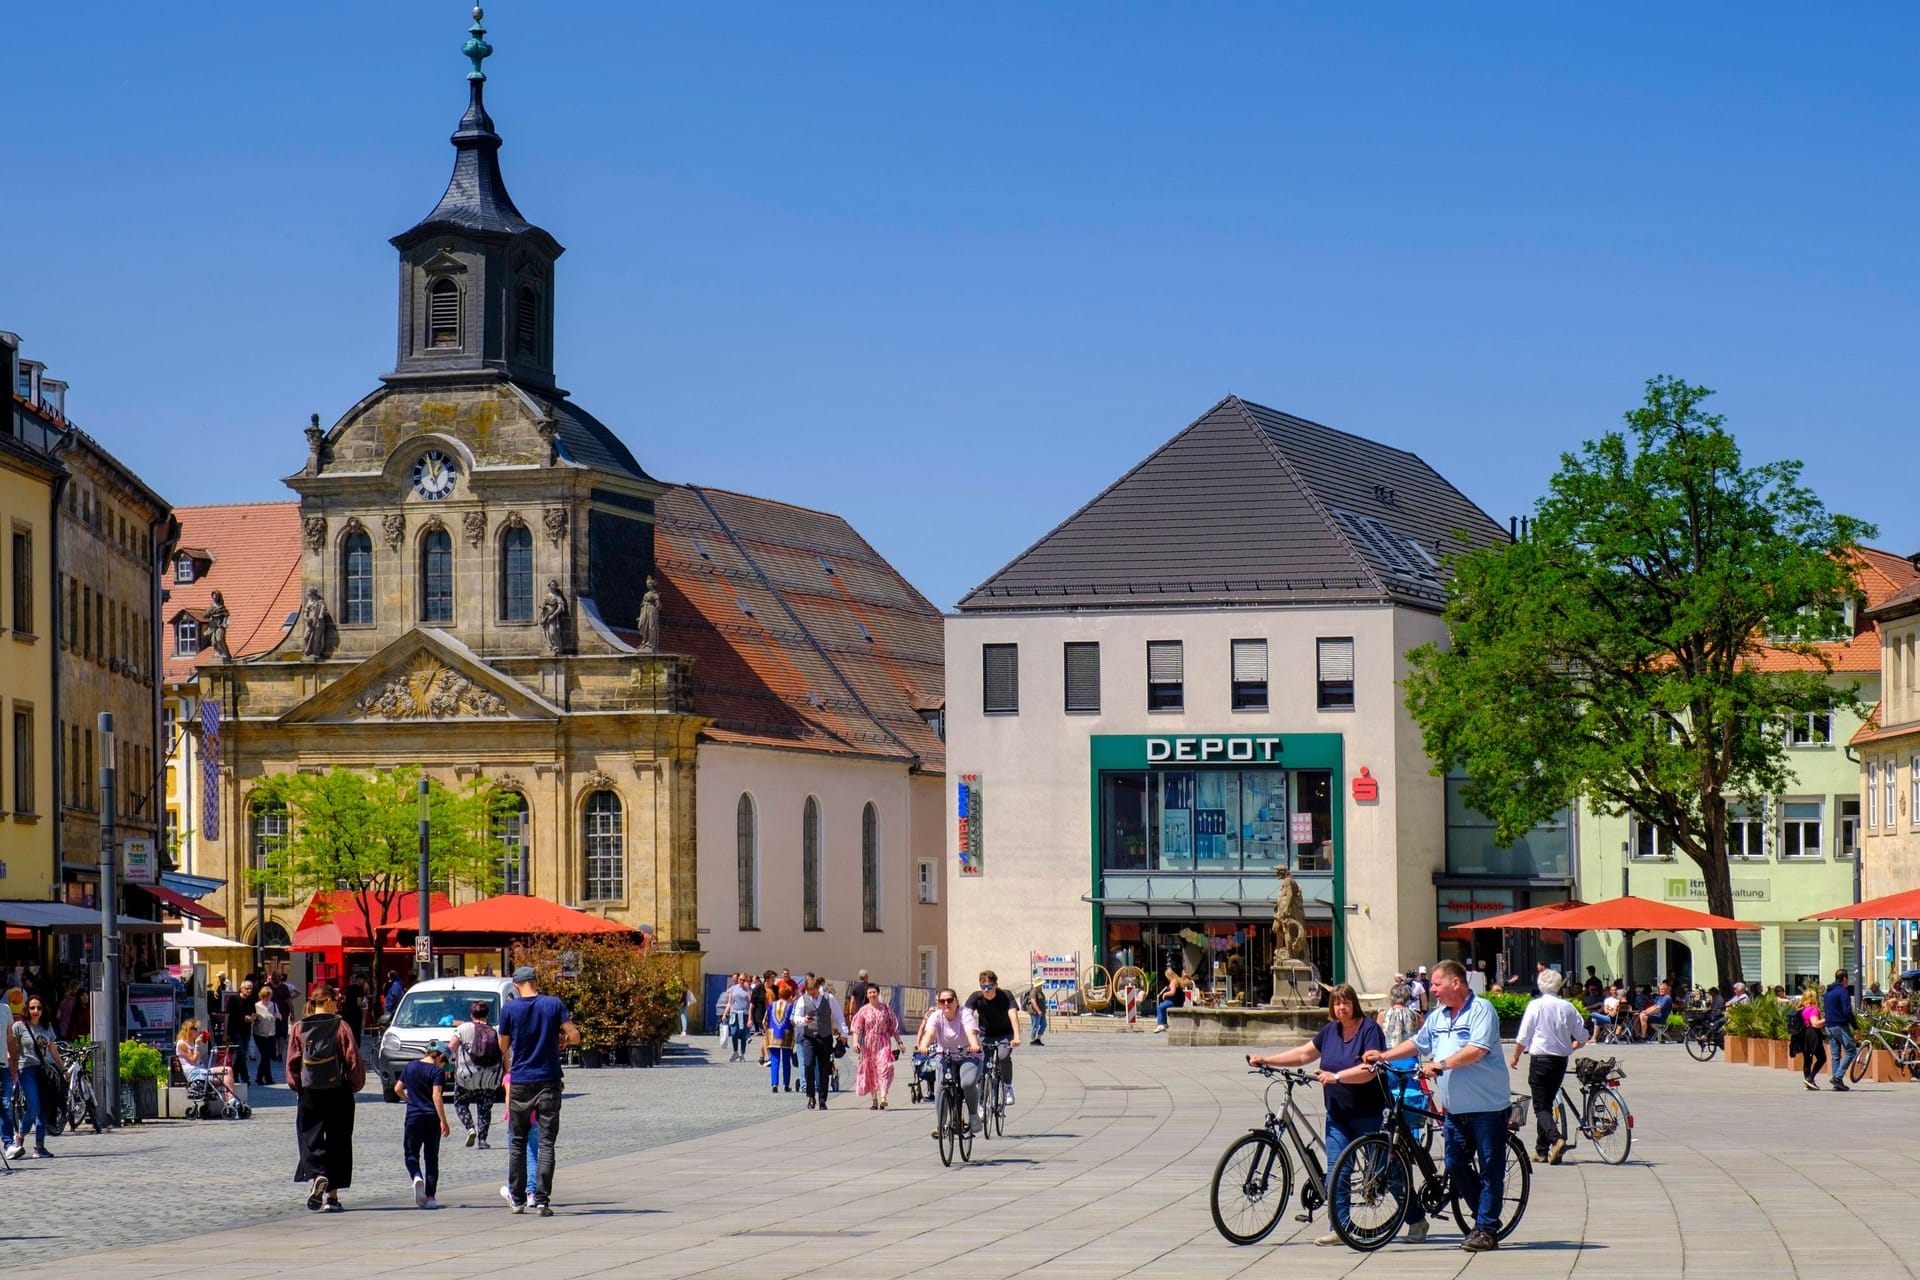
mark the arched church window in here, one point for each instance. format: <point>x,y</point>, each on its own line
<point>606,862</point>
<point>526,323</point>
<point>356,579</point>
<point>516,837</point>
<point>810,865</point>
<point>443,314</point>
<point>436,576</point>
<point>516,574</point>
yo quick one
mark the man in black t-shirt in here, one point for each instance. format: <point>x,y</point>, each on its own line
<point>999,1021</point>
<point>857,994</point>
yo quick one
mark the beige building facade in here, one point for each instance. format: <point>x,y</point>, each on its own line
<point>1888,748</point>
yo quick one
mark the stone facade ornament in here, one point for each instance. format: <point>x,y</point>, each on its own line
<point>393,527</point>
<point>213,628</point>
<point>353,526</point>
<point>598,781</point>
<point>316,621</point>
<point>430,690</point>
<point>555,519</point>
<point>648,628</point>
<point>316,531</point>
<point>553,617</point>
<point>475,524</point>
<point>316,445</point>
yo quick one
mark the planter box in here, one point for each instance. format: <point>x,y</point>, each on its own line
<point>146,1099</point>
<point>1882,1069</point>
<point>592,1059</point>
<point>1759,1052</point>
<point>643,1055</point>
<point>1782,1052</point>
<point>1737,1049</point>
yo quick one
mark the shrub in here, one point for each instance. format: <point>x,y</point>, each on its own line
<point>1769,1019</point>
<point>140,1062</point>
<point>619,994</point>
<point>1740,1018</point>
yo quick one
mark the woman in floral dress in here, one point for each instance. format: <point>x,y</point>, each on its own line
<point>876,1039</point>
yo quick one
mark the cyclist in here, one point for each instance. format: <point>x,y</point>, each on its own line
<point>1354,1097</point>
<point>999,1020</point>
<point>955,1032</point>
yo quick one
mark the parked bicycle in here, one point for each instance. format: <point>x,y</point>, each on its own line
<point>1705,1035</point>
<point>1372,1185</point>
<point>1254,1179</point>
<point>79,1108</point>
<point>1603,1116</point>
<point>1905,1051</point>
<point>952,1130</point>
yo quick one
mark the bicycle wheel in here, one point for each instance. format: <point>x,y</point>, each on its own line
<point>1097,989</point>
<point>997,1118</point>
<point>1569,1130</point>
<point>1251,1186</point>
<point>1700,1044</point>
<point>1369,1192</point>
<point>1514,1190</point>
<point>1610,1125</point>
<point>964,1138</point>
<point>1861,1064</point>
<point>943,1126</point>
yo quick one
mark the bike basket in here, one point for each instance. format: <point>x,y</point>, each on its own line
<point>1518,1113</point>
<point>1594,1071</point>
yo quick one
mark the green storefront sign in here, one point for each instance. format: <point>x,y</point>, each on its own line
<point>1199,751</point>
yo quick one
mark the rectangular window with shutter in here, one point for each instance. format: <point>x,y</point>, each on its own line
<point>1166,676</point>
<point>1000,679</point>
<point>1336,674</point>
<point>1749,940</point>
<point>1083,677</point>
<point>1800,949</point>
<point>1249,675</point>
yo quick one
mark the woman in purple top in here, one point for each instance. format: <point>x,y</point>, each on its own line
<point>1355,1100</point>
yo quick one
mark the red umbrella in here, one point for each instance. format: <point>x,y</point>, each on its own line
<point>333,921</point>
<point>1904,905</point>
<point>499,920</point>
<point>1546,917</point>
<point>1635,915</point>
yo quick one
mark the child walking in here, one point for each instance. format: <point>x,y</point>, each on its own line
<point>421,1086</point>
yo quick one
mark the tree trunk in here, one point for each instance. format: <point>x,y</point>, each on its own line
<point>1718,875</point>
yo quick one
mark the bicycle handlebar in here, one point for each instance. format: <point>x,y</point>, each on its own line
<point>1292,1075</point>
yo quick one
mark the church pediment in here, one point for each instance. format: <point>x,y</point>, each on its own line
<point>443,264</point>
<point>424,676</point>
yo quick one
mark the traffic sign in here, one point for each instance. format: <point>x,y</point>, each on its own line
<point>423,949</point>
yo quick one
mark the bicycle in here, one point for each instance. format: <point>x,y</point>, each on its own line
<point>1604,1118</point>
<point>1705,1035</point>
<point>993,1097</point>
<point>952,1130</point>
<point>1906,1053</point>
<point>1376,1174</point>
<point>80,1108</point>
<point>1254,1179</point>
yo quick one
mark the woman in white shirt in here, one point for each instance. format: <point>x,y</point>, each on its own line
<point>1550,1030</point>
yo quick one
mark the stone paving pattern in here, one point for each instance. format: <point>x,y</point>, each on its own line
<point>1736,1171</point>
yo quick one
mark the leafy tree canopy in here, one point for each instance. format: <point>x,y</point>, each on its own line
<point>1611,651</point>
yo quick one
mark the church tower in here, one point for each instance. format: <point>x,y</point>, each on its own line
<point>476,278</point>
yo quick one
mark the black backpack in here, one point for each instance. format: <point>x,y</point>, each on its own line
<point>321,1066</point>
<point>485,1051</point>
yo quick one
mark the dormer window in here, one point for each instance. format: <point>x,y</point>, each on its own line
<point>183,569</point>
<point>526,323</point>
<point>443,314</point>
<point>186,637</point>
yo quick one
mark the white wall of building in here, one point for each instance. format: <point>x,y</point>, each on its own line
<point>1038,851</point>
<point>779,782</point>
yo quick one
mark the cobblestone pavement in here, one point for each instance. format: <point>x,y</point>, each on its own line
<point>1735,1171</point>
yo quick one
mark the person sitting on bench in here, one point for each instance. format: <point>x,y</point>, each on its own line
<point>1655,1014</point>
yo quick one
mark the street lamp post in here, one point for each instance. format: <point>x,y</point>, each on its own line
<point>106,1016</point>
<point>423,941</point>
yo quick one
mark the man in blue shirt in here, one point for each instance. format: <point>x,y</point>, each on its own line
<point>1837,1006</point>
<point>532,1030</point>
<point>1462,1037</point>
<point>1654,1016</point>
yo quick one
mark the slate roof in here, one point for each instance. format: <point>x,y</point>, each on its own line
<point>587,440</point>
<point>1884,579</point>
<point>255,553</point>
<point>803,636</point>
<point>1249,505</point>
<point>476,198</point>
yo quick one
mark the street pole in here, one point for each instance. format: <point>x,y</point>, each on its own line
<point>106,1018</point>
<point>423,940</point>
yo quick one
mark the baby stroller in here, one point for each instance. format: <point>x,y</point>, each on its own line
<point>207,1098</point>
<point>921,1085</point>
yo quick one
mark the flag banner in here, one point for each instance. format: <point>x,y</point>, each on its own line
<point>210,770</point>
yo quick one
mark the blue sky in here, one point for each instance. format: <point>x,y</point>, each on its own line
<point>948,272</point>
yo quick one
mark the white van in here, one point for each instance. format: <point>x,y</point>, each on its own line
<point>430,1011</point>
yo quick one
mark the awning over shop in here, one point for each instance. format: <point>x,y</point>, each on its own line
<point>61,917</point>
<point>500,920</point>
<point>334,922</point>
<point>194,940</point>
<point>1904,905</point>
<point>183,905</point>
<point>195,887</point>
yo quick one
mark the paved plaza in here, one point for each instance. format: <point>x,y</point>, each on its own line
<point>694,1170</point>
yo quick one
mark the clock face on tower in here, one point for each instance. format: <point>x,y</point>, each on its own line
<point>434,474</point>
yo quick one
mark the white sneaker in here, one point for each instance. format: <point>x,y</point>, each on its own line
<point>431,1203</point>
<point>1007,1094</point>
<point>18,1151</point>
<point>1332,1237</point>
<point>1160,1031</point>
<point>472,1137</point>
<point>419,1193</point>
<point>506,1193</point>
<point>1417,1232</point>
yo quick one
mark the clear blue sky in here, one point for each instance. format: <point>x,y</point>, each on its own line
<point>948,272</point>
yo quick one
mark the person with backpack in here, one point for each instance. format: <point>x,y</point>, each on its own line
<point>478,1069</point>
<point>325,1071</point>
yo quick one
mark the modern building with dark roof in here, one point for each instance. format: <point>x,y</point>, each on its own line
<point>1192,683</point>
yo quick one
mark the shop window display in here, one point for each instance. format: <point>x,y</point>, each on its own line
<point>1216,820</point>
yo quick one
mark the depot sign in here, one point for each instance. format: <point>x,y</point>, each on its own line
<point>1224,749</point>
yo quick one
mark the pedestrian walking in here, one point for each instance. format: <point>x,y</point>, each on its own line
<point>779,1039</point>
<point>421,1086</point>
<point>1550,1029</point>
<point>821,1025</point>
<point>1837,1009</point>
<point>353,1008</point>
<point>395,990</point>
<point>1462,1037</point>
<point>324,1070</point>
<point>739,1006</point>
<point>876,1040</point>
<point>237,1025</point>
<point>757,1012</point>
<point>40,1067</point>
<point>857,995</point>
<point>1354,1098</point>
<point>10,1078</point>
<point>478,1071</point>
<point>1037,1012</point>
<point>532,1031</point>
<point>1810,1038</point>
<point>266,1035</point>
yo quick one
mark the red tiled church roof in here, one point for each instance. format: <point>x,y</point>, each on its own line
<point>251,556</point>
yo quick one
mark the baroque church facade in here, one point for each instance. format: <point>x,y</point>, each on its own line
<point>475,557</point>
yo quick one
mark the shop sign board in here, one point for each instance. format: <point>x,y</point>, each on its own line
<point>968,813</point>
<point>136,861</point>
<point>1678,888</point>
<point>1189,750</point>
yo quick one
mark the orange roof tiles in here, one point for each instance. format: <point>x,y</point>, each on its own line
<point>254,549</point>
<point>1882,576</point>
<point>803,636</point>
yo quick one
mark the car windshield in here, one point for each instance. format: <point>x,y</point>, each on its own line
<point>442,1008</point>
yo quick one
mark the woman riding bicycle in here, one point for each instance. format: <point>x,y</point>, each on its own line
<point>955,1033</point>
<point>1354,1096</point>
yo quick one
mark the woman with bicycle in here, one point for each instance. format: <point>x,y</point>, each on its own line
<point>40,1067</point>
<point>1354,1097</point>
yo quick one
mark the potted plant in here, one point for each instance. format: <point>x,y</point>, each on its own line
<point>1739,1030</point>
<point>143,1067</point>
<point>1510,1006</point>
<point>1770,1030</point>
<point>624,999</point>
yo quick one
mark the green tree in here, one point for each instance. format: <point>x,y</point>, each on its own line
<point>359,833</point>
<point>1611,651</point>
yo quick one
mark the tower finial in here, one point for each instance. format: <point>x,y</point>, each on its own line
<point>476,48</point>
